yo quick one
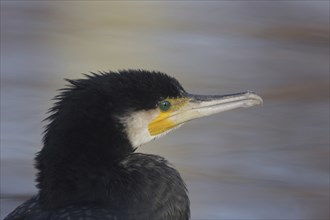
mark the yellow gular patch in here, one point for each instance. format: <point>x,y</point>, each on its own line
<point>163,122</point>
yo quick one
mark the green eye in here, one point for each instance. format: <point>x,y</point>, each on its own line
<point>164,105</point>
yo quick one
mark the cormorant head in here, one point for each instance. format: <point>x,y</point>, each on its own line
<point>131,106</point>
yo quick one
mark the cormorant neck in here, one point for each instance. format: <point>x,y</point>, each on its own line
<point>80,152</point>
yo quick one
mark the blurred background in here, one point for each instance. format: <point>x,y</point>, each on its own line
<point>269,162</point>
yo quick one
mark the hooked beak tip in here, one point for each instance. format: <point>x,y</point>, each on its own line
<point>253,99</point>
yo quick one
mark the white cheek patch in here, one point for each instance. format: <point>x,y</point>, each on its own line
<point>136,126</point>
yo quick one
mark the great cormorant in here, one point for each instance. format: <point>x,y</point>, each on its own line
<point>87,168</point>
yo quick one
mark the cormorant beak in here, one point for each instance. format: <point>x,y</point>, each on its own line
<point>197,106</point>
<point>202,105</point>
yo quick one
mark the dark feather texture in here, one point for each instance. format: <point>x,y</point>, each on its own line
<point>87,168</point>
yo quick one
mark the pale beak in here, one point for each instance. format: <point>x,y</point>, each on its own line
<point>201,105</point>
<point>196,106</point>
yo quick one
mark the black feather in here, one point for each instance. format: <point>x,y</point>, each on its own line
<point>87,164</point>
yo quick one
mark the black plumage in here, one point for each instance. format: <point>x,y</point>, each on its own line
<point>87,168</point>
<point>88,163</point>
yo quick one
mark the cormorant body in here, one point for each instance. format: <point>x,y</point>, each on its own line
<point>87,168</point>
